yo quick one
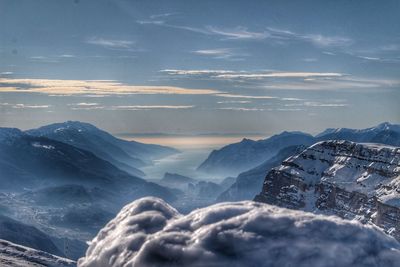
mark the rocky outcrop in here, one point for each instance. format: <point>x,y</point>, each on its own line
<point>351,180</point>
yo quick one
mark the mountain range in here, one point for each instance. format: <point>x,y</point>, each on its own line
<point>248,182</point>
<point>126,155</point>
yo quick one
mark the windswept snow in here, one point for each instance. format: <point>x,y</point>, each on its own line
<point>149,232</point>
<point>13,255</point>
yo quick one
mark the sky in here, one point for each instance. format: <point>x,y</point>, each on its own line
<point>196,67</point>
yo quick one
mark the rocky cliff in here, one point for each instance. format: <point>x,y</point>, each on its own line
<point>352,180</point>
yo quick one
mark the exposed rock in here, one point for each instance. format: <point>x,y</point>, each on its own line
<point>351,180</point>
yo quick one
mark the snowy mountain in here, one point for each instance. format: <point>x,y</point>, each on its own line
<point>149,232</point>
<point>383,133</point>
<point>88,137</point>
<point>126,155</point>
<point>352,180</point>
<point>247,154</point>
<point>238,157</point>
<point>13,255</point>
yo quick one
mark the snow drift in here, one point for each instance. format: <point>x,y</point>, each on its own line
<point>149,232</point>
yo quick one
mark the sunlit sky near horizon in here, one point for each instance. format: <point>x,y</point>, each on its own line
<point>195,67</point>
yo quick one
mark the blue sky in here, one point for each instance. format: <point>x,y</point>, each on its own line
<point>200,66</point>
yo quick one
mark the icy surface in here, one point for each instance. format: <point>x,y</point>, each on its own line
<point>12,255</point>
<point>149,232</point>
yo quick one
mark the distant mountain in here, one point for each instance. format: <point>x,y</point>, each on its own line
<point>238,157</point>
<point>352,180</point>
<point>26,235</point>
<point>31,162</point>
<point>247,154</point>
<point>248,183</point>
<point>384,133</point>
<point>13,255</point>
<point>126,155</point>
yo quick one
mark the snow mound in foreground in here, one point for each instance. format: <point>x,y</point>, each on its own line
<point>13,255</point>
<point>149,232</point>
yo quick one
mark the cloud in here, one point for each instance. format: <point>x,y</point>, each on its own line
<point>234,102</point>
<point>85,87</point>
<point>195,72</point>
<point>241,109</point>
<point>318,104</point>
<point>229,74</point>
<point>318,40</point>
<point>149,232</point>
<point>24,106</point>
<point>222,53</point>
<point>149,107</point>
<point>85,106</point>
<point>66,56</point>
<point>271,33</point>
<point>284,80</point>
<point>246,96</point>
<point>238,33</point>
<point>278,75</point>
<point>111,43</point>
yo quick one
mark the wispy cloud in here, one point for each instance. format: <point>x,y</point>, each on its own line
<point>85,106</point>
<point>278,75</point>
<point>272,33</point>
<point>67,56</point>
<point>234,102</point>
<point>83,87</point>
<point>319,40</point>
<point>6,73</point>
<point>241,109</point>
<point>195,72</point>
<point>222,53</point>
<point>238,33</point>
<point>149,107</point>
<point>246,96</point>
<point>284,80</point>
<point>111,43</point>
<point>25,106</point>
<point>318,104</point>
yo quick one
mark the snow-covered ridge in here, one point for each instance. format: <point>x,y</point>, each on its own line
<point>13,255</point>
<point>371,169</point>
<point>352,180</point>
<point>149,232</point>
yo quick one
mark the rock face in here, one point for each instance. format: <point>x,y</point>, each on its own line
<point>352,180</point>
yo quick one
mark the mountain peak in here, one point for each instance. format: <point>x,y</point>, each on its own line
<point>9,133</point>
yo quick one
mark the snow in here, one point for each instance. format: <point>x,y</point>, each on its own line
<point>39,145</point>
<point>13,255</point>
<point>149,232</point>
<point>371,169</point>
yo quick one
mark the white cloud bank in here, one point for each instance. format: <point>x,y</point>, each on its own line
<point>91,87</point>
<point>149,232</point>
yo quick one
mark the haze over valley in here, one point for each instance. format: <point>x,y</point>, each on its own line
<point>199,133</point>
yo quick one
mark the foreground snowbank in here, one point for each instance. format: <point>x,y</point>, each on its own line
<point>149,232</point>
<point>13,255</point>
